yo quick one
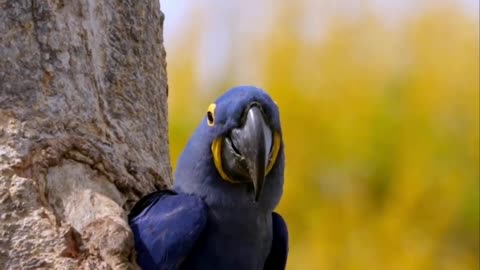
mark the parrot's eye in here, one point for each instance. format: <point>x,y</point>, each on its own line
<point>211,114</point>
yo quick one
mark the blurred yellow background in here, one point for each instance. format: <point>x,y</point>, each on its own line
<point>379,102</point>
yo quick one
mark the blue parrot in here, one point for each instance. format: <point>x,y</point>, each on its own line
<point>228,181</point>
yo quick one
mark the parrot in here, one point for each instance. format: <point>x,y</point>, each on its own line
<point>219,214</point>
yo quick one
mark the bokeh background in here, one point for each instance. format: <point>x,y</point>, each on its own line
<point>379,102</point>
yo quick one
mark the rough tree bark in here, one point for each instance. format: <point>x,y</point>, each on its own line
<point>83,129</point>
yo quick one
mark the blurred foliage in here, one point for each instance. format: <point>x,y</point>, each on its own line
<point>381,127</point>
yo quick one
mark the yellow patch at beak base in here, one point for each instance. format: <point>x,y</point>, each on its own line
<point>217,156</point>
<point>274,153</point>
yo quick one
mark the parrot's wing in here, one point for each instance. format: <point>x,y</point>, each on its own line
<point>277,259</point>
<point>165,227</point>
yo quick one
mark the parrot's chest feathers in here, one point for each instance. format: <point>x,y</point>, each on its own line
<point>241,221</point>
<point>238,234</point>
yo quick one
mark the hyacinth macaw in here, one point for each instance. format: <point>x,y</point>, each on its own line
<point>228,181</point>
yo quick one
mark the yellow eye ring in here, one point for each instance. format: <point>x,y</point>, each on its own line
<point>211,114</point>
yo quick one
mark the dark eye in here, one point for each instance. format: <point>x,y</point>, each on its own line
<point>210,118</point>
<point>211,114</point>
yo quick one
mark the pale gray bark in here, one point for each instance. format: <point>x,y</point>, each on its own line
<point>83,129</point>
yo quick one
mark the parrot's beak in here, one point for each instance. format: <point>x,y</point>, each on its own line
<point>247,150</point>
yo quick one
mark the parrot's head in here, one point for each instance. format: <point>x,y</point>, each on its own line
<point>236,154</point>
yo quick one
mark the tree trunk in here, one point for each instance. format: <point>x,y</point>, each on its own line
<point>83,129</point>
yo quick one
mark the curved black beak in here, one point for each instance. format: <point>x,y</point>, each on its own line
<point>247,150</point>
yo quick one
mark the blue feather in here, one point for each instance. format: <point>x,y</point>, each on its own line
<point>167,229</point>
<point>277,259</point>
<point>209,223</point>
